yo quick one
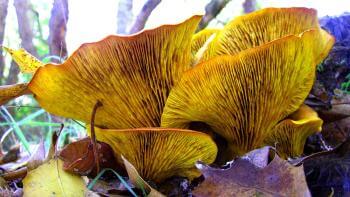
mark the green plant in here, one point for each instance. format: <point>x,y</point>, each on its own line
<point>345,86</point>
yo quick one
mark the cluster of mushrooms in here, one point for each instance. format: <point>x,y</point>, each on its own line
<point>171,97</point>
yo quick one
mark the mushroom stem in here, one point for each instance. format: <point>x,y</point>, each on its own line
<point>93,137</point>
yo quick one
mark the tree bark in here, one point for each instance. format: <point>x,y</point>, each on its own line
<point>124,16</point>
<point>23,9</point>
<point>212,9</point>
<point>3,14</point>
<point>142,17</point>
<point>58,29</point>
<point>12,78</point>
<point>249,6</point>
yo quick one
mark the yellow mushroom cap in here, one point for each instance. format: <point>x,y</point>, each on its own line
<point>243,97</point>
<point>130,75</point>
<point>260,27</point>
<point>290,135</point>
<point>159,153</point>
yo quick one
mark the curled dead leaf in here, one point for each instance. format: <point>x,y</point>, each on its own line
<point>11,155</point>
<point>38,157</point>
<point>79,158</point>
<point>244,178</point>
<point>327,172</point>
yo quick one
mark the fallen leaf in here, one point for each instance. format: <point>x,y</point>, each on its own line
<point>11,155</point>
<point>328,172</point>
<point>138,182</point>
<point>9,192</point>
<point>176,186</point>
<point>244,178</point>
<point>259,157</point>
<point>38,157</point>
<point>50,179</point>
<point>15,174</point>
<point>341,97</point>
<point>41,155</point>
<point>26,62</point>
<point>335,133</point>
<point>337,112</point>
<point>79,158</point>
<point>3,183</point>
<point>112,187</point>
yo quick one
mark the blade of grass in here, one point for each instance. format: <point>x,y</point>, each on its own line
<point>24,121</point>
<point>47,59</point>
<point>93,182</point>
<point>33,123</point>
<point>17,130</point>
<point>31,116</point>
<point>16,125</point>
<point>13,136</point>
<point>48,137</point>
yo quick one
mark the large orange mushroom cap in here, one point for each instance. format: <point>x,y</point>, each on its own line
<point>131,76</point>
<point>159,153</point>
<point>289,136</point>
<point>243,97</point>
<point>260,27</point>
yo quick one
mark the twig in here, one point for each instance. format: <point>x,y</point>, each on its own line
<point>37,20</point>
<point>3,14</point>
<point>93,137</point>
<point>249,6</point>
<point>337,150</point>
<point>141,19</point>
<point>17,174</point>
<point>212,9</point>
<point>58,28</point>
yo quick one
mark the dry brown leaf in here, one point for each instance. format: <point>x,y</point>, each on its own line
<point>328,172</point>
<point>11,155</point>
<point>78,157</point>
<point>41,155</point>
<point>244,178</point>
<point>336,132</point>
<point>38,157</point>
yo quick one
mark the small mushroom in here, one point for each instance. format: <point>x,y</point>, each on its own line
<point>243,97</point>
<point>289,136</point>
<point>159,153</point>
